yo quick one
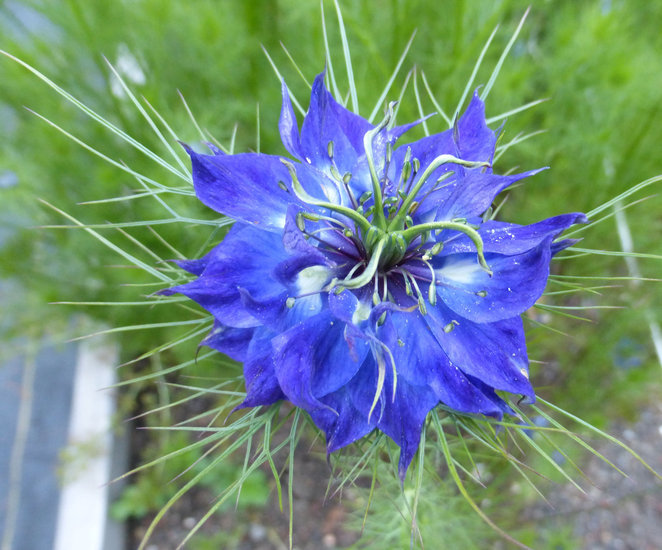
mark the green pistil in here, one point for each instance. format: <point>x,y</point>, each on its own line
<point>398,221</point>
<point>378,218</point>
<point>368,273</point>
<point>301,194</point>
<point>413,232</point>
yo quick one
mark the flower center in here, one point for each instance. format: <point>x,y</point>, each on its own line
<point>380,224</point>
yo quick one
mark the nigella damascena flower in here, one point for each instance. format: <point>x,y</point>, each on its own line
<point>360,281</point>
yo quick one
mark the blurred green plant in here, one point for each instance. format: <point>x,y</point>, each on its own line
<point>594,61</point>
<point>148,494</point>
<point>601,125</point>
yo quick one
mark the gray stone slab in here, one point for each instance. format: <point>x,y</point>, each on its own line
<point>11,375</point>
<point>35,397</point>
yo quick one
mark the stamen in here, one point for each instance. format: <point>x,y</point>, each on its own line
<point>329,245</point>
<point>432,289</point>
<point>421,300</point>
<point>432,251</point>
<point>436,249</point>
<point>450,326</point>
<point>381,369</point>
<point>405,275</point>
<point>364,197</point>
<point>406,168</point>
<point>404,174</point>
<point>345,181</point>
<point>301,223</point>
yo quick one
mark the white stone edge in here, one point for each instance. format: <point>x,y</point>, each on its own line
<point>87,466</point>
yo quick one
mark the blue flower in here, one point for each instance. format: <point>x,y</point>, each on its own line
<point>361,281</point>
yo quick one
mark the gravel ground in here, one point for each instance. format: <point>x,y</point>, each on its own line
<point>616,513</point>
<point>318,524</point>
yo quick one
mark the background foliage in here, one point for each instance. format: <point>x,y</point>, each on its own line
<point>597,62</point>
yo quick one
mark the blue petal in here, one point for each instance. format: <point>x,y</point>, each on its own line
<point>328,121</point>
<point>508,238</point>
<point>422,362</point>
<point>470,194</point>
<point>312,360</point>
<point>233,342</point>
<point>474,140</point>
<point>245,259</point>
<point>494,353</point>
<point>193,266</point>
<point>425,376</point>
<point>222,300</point>
<point>400,417</point>
<point>344,419</point>
<point>403,419</point>
<point>470,140</point>
<point>500,406</point>
<point>261,383</point>
<point>246,187</point>
<point>268,310</point>
<point>347,307</point>
<point>215,150</point>
<point>517,282</point>
<point>558,246</point>
<point>287,124</point>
